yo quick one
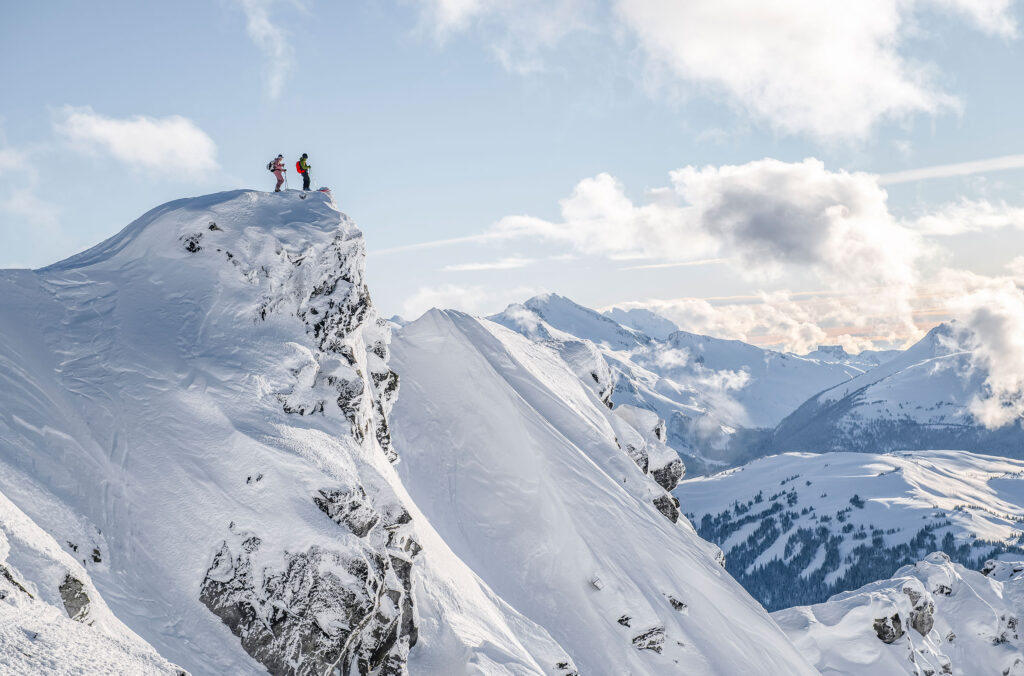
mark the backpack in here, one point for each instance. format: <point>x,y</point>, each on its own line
<point>298,167</point>
<point>270,165</point>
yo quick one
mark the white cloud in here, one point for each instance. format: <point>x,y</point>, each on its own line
<point>772,319</point>
<point>477,300</point>
<point>829,69</point>
<point>510,263</point>
<point>767,218</point>
<point>32,211</point>
<point>675,264</point>
<point>171,144</point>
<point>10,160</point>
<point>968,215</point>
<point>994,17</point>
<point>517,31</point>
<point>992,326</point>
<point>958,169</point>
<point>272,40</point>
<point>433,244</point>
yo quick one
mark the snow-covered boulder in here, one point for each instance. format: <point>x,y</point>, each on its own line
<point>933,617</point>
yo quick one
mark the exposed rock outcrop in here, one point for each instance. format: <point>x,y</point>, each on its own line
<point>888,629</point>
<point>76,600</point>
<point>323,610</point>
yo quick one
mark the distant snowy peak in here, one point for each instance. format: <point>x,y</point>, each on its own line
<point>919,399</point>
<point>582,322</point>
<point>643,320</point>
<point>932,617</point>
<point>867,359</point>
<point>709,391</point>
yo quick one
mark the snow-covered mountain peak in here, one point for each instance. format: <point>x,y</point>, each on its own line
<point>643,320</point>
<point>582,322</point>
<point>237,219</point>
<point>210,390</point>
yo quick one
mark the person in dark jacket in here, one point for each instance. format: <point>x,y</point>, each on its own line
<point>303,167</point>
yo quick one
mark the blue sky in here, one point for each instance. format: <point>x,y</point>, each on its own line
<point>543,137</point>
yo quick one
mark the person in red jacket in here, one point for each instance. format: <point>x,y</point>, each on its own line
<point>303,166</point>
<point>279,172</point>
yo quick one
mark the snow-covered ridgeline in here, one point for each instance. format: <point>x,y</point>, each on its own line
<point>920,399</point>
<point>719,398</point>
<point>836,521</point>
<point>540,488</point>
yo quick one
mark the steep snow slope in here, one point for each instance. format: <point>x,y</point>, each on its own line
<point>52,618</point>
<point>197,408</point>
<point>918,400</point>
<point>836,521</point>
<point>717,397</point>
<point>933,617</point>
<point>517,465</point>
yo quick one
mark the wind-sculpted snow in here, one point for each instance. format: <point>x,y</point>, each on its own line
<point>198,407</point>
<point>540,488</point>
<point>836,521</point>
<point>53,620</point>
<point>932,617</point>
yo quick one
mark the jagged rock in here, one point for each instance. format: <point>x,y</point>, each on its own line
<point>676,604</point>
<point>660,431</point>
<point>922,617</point>
<point>567,669</point>
<point>191,242</point>
<point>653,639</point>
<point>669,506</point>
<point>348,508</point>
<point>76,601</point>
<point>325,610</point>
<point>5,572</point>
<point>668,476</point>
<point>637,454</point>
<point>888,629</point>
<point>625,620</point>
<point>943,589</point>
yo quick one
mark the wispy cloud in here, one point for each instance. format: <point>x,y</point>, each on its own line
<point>473,299</point>
<point>676,264</point>
<point>162,144</point>
<point>958,169</point>
<point>272,40</point>
<point>468,239</point>
<point>502,264</point>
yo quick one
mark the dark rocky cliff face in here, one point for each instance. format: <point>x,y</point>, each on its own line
<point>347,603</point>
